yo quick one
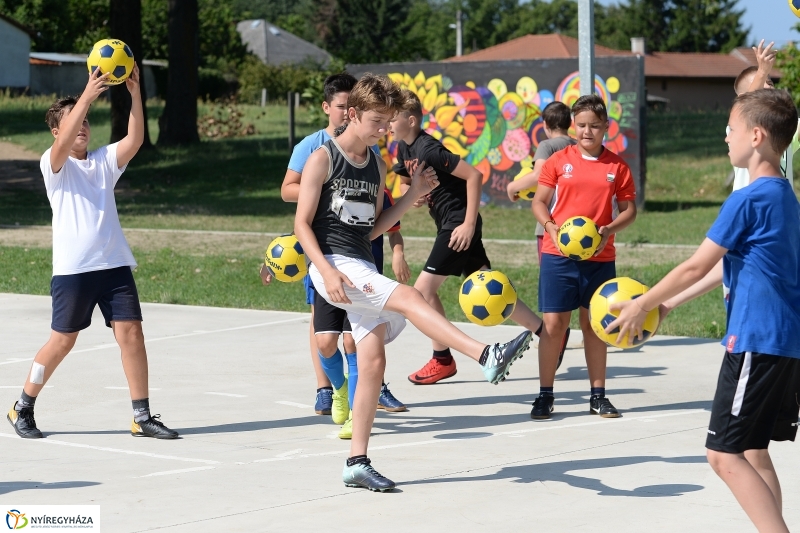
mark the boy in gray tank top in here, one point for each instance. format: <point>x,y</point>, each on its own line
<point>338,212</point>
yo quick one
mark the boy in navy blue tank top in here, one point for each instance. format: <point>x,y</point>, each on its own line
<point>338,212</point>
<point>757,236</point>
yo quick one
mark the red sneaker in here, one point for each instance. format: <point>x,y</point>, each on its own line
<point>432,372</point>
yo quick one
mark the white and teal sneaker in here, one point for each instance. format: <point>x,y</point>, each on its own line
<point>499,357</point>
<point>362,475</point>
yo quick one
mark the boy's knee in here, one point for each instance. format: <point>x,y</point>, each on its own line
<point>129,332</point>
<point>556,321</point>
<point>720,462</point>
<point>63,342</point>
<point>349,343</point>
<point>327,344</point>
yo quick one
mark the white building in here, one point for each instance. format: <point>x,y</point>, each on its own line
<point>15,45</point>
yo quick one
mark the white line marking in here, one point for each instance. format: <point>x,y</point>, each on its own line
<point>294,404</point>
<point>226,394</point>
<point>182,471</point>
<point>125,388</point>
<point>14,360</point>
<point>114,450</point>
<point>418,424</point>
<point>17,386</point>
<point>287,454</point>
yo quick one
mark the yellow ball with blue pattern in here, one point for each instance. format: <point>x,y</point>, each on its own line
<point>285,259</point>
<point>600,316</point>
<point>487,297</point>
<point>114,56</point>
<point>526,194</point>
<point>578,238</point>
<point>794,5</point>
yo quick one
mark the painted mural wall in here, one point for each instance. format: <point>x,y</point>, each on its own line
<point>489,113</point>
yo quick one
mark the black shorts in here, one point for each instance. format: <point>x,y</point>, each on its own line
<point>757,400</point>
<point>328,318</point>
<point>75,295</point>
<point>444,261</point>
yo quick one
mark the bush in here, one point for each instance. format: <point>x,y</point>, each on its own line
<point>278,80</point>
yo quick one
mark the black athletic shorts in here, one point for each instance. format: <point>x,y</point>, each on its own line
<point>757,400</point>
<point>328,318</point>
<point>444,261</point>
<point>75,295</point>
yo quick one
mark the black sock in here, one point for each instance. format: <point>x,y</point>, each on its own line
<point>25,402</point>
<point>324,388</point>
<point>357,460</point>
<point>546,391</point>
<point>141,410</point>
<point>443,356</point>
<point>484,355</point>
<point>538,331</point>
<point>598,391</point>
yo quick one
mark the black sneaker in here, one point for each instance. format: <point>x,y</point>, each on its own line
<point>563,349</point>
<point>600,405</point>
<point>23,422</point>
<point>152,427</point>
<point>542,406</point>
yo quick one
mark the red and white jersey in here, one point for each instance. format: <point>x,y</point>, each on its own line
<point>587,187</point>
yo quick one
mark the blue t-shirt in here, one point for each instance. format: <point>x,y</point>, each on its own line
<point>759,225</point>
<point>308,146</point>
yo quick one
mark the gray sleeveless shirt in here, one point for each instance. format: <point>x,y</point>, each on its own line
<point>346,211</point>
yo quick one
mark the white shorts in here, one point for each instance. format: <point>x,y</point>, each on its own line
<point>365,313</point>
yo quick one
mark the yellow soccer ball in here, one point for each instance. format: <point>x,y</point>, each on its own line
<point>614,291</point>
<point>578,238</point>
<point>114,56</point>
<point>285,259</point>
<point>794,5</point>
<point>487,297</point>
<point>525,194</point>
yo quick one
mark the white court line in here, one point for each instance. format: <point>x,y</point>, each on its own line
<point>126,388</point>
<point>17,386</point>
<point>226,394</point>
<point>17,360</point>
<point>182,471</point>
<point>516,433</point>
<point>114,450</point>
<point>195,334</point>
<point>287,454</point>
<point>294,404</point>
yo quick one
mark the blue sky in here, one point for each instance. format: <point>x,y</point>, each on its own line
<point>768,19</point>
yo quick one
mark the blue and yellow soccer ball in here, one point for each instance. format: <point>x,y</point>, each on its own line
<point>600,316</point>
<point>526,194</point>
<point>114,56</point>
<point>487,297</point>
<point>578,238</point>
<point>285,259</point>
<point>794,5</point>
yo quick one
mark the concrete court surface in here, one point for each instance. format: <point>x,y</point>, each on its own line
<point>254,456</point>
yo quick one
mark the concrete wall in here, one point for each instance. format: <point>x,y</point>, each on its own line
<point>70,79</point>
<point>693,93</point>
<point>15,45</point>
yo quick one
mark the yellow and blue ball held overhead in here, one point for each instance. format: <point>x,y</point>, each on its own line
<point>112,56</point>
<point>794,5</point>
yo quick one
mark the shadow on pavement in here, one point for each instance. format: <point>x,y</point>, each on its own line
<point>13,486</point>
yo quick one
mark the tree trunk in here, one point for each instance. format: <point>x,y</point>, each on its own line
<point>178,123</point>
<point>126,24</point>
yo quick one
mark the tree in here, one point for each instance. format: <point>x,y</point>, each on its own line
<point>126,25</point>
<point>178,123</point>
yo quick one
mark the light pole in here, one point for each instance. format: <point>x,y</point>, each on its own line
<point>586,45</point>
<point>457,27</point>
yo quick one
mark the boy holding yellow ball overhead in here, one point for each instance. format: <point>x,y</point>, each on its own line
<point>757,237</point>
<point>595,183</point>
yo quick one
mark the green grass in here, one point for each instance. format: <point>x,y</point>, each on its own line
<point>232,281</point>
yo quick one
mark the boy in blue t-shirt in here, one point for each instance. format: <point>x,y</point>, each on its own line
<point>757,234</point>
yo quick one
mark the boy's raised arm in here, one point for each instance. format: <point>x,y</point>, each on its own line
<point>131,143</point>
<point>71,124</point>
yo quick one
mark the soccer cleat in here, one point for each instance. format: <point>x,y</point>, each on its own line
<point>563,349</point>
<point>388,402</point>
<point>23,422</point>
<point>362,475</point>
<point>600,405</point>
<point>432,372</point>
<point>542,406</point>
<point>341,405</point>
<point>324,402</point>
<point>502,356</point>
<point>346,433</point>
<point>152,427</point>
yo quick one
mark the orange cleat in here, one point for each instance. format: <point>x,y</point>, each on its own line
<point>433,372</point>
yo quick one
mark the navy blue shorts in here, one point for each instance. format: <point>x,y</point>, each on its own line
<point>75,295</point>
<point>565,285</point>
<point>310,290</point>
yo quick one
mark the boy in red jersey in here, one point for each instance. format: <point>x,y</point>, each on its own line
<point>596,183</point>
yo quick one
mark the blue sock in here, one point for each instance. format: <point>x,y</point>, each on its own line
<point>598,391</point>
<point>334,368</point>
<point>352,378</point>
